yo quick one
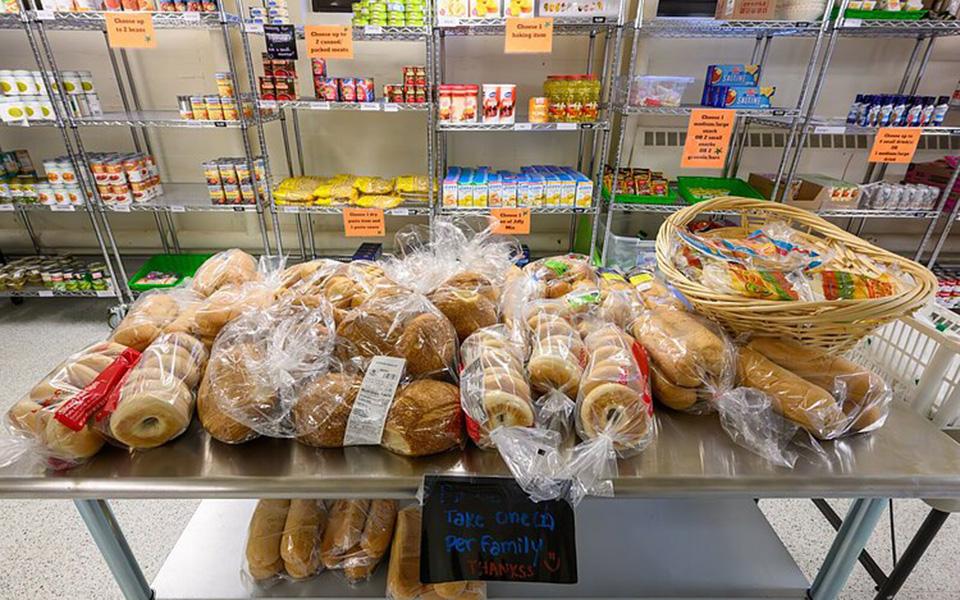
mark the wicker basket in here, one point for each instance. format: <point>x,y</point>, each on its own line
<point>831,325</point>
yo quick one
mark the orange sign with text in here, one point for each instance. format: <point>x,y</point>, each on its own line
<point>363,222</point>
<point>529,36</point>
<point>130,30</point>
<point>708,138</point>
<point>511,221</point>
<point>329,41</point>
<point>895,145</point>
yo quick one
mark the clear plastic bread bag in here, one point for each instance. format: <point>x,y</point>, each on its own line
<point>358,536</point>
<point>394,321</point>
<point>258,366</point>
<point>344,285</point>
<point>366,402</point>
<point>51,426</point>
<point>284,542</point>
<point>232,267</point>
<point>403,574</point>
<point>557,276</point>
<point>155,401</point>
<point>154,313</point>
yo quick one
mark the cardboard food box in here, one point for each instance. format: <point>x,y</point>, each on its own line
<point>811,192</point>
<point>763,183</point>
<point>746,10</point>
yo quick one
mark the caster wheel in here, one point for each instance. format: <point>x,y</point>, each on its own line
<point>113,320</point>
<point>116,315</point>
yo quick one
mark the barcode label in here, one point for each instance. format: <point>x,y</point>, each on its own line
<point>62,207</point>
<point>369,412</point>
<point>830,129</point>
<point>7,207</point>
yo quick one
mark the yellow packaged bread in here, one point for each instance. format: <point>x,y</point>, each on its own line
<point>373,185</point>
<point>379,201</point>
<point>412,184</point>
<point>296,189</point>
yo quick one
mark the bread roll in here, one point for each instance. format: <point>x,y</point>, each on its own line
<point>322,409</point>
<point>468,310</point>
<point>429,344</point>
<point>231,386</point>
<point>228,303</point>
<point>670,394</point>
<point>263,538</point>
<point>374,542</point>
<point>373,333</point>
<point>231,267</point>
<point>24,416</point>
<point>684,349</point>
<point>424,419</point>
<point>864,394</point>
<point>152,416</point>
<point>137,335</point>
<point>341,539</point>
<point>302,532</point>
<point>403,574</point>
<point>145,320</point>
<point>67,444</point>
<point>800,401</point>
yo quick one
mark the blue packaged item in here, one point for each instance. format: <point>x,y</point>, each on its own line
<point>741,96</point>
<point>368,251</point>
<point>733,75</point>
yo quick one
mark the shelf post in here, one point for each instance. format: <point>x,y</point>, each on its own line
<point>857,527</point>
<point>113,547</point>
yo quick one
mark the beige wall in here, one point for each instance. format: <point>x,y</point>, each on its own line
<point>393,144</point>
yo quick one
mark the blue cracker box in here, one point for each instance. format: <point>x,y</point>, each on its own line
<point>368,251</point>
<point>740,96</point>
<point>733,75</point>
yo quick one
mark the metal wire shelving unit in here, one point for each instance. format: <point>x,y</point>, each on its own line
<point>25,21</point>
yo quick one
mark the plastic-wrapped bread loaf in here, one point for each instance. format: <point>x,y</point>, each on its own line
<point>403,574</point>
<point>146,319</point>
<point>263,539</point>
<point>302,532</point>
<point>228,268</point>
<point>357,536</point>
<point>560,275</point>
<point>684,350</point>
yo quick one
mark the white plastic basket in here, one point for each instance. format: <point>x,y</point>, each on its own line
<point>920,357</point>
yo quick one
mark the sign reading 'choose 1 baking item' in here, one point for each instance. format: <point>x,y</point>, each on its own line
<point>487,528</point>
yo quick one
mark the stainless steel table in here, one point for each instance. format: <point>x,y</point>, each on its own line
<point>692,457</point>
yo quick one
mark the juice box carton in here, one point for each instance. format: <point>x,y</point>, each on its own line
<point>480,189</point>
<point>552,189</point>
<point>568,189</point>
<point>584,191</point>
<point>449,187</point>
<point>494,190</point>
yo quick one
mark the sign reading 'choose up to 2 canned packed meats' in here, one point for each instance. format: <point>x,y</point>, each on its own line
<point>329,41</point>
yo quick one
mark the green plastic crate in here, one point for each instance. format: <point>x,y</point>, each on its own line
<point>881,15</point>
<point>733,187</point>
<point>184,265</point>
<point>670,198</point>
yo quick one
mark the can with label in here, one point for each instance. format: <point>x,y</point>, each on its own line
<point>348,89</point>
<point>285,88</point>
<point>319,67</point>
<point>365,89</point>
<point>329,89</point>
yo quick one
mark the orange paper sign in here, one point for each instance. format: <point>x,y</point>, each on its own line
<point>130,30</point>
<point>329,41</point>
<point>511,221</point>
<point>363,222</point>
<point>529,36</point>
<point>708,138</point>
<point>895,145</point>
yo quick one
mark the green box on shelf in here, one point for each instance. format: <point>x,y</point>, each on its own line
<point>671,198</point>
<point>881,15</point>
<point>731,187</point>
<point>184,265</point>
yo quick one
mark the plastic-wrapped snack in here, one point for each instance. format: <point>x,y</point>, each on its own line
<point>422,418</point>
<point>494,391</point>
<point>155,401</point>
<point>403,574</point>
<point>652,290</point>
<point>230,267</point>
<point>146,320</point>
<point>381,201</point>
<point>54,419</point>
<point>259,364</point>
<point>829,396</point>
<point>357,536</point>
<point>614,397</point>
<point>557,354</point>
<point>294,190</point>
<point>397,322</point>
<point>560,275</point>
<point>264,535</point>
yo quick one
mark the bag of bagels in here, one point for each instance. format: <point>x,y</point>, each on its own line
<point>154,402</point>
<point>52,424</point>
<point>258,366</point>
<point>557,276</point>
<point>283,542</point>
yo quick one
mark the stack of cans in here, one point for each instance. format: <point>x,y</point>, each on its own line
<point>413,88</point>
<point>229,180</point>
<point>341,89</point>
<point>279,80</point>
<point>948,293</point>
<point>271,12</point>
<point>122,179</point>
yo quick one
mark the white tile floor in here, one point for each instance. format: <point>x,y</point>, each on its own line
<point>47,553</point>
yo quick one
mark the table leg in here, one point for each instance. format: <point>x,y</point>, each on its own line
<point>857,527</point>
<point>113,546</point>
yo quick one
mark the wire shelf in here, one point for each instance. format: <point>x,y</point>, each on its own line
<point>37,207</point>
<point>521,126</point>
<point>684,27</point>
<point>160,118</point>
<point>687,109</point>
<point>897,28</point>
<point>852,213</point>
<point>11,21</point>
<point>378,106</point>
<point>407,209</point>
<point>24,124</point>
<point>181,197</point>
<point>535,210</point>
<point>45,293</point>
<point>497,25</point>
<point>839,126</point>
<point>97,21</point>
<point>368,33</point>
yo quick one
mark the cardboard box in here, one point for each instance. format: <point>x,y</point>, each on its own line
<point>936,173</point>
<point>763,183</point>
<point>810,192</point>
<point>746,10</point>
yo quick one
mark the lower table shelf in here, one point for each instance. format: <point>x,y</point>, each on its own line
<point>679,548</point>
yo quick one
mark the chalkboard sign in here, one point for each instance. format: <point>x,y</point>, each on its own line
<point>487,528</point>
<point>281,41</point>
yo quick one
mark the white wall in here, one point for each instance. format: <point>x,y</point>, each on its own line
<point>394,144</point>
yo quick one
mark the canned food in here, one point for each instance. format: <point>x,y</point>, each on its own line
<point>348,89</point>
<point>23,82</point>
<point>319,67</point>
<point>93,101</point>
<point>68,174</point>
<point>8,83</point>
<point>74,194</point>
<point>72,84</point>
<point>365,89</point>
<point>52,168</point>
<point>168,6</point>
<point>284,67</point>
<point>86,81</point>
<point>209,5</point>
<point>328,88</point>
<point>44,193</point>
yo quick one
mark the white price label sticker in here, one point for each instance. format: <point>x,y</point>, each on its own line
<point>105,293</point>
<point>391,107</point>
<point>372,29</point>
<point>7,207</point>
<point>566,126</point>
<point>44,15</point>
<point>448,21</point>
<point>290,209</point>
<point>399,212</point>
<point>45,293</point>
<point>830,129</point>
<point>122,208</point>
<point>269,103</point>
<point>522,126</point>
<point>178,209</point>
<point>320,106</point>
<point>23,123</point>
<point>62,207</point>
<point>369,106</point>
<point>852,22</point>
<point>191,17</point>
<point>253,27</point>
<point>369,412</point>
